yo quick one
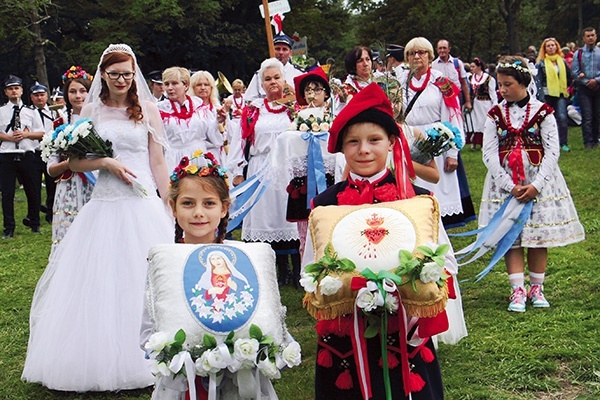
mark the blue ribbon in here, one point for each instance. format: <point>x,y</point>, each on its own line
<point>316,181</point>
<point>90,178</point>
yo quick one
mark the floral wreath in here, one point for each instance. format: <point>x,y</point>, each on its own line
<point>76,72</point>
<point>312,123</point>
<point>201,164</point>
<point>518,65</point>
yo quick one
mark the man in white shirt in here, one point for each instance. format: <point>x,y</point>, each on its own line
<point>453,69</point>
<point>283,52</point>
<point>18,141</point>
<point>44,118</point>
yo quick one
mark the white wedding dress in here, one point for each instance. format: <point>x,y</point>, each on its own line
<point>87,307</point>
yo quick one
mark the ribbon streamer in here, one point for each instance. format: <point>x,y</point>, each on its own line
<point>184,359</point>
<point>316,180</point>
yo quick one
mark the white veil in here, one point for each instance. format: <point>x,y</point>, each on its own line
<point>143,91</point>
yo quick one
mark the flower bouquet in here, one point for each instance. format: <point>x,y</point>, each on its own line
<point>80,140</point>
<point>177,360</point>
<point>441,137</point>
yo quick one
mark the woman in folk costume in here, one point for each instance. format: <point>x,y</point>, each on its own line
<point>189,125</point>
<point>365,131</point>
<point>359,66</point>
<point>429,97</point>
<point>521,151</point>
<point>204,86</point>
<point>92,292</point>
<point>262,122</point>
<point>554,78</point>
<point>483,96</point>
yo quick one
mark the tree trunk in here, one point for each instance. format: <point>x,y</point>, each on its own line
<point>510,11</point>
<point>38,47</point>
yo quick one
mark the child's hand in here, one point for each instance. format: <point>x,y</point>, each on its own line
<point>524,193</point>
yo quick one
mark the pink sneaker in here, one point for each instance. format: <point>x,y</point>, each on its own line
<point>537,298</point>
<point>517,299</point>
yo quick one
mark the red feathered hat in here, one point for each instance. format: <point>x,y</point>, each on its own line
<point>317,74</point>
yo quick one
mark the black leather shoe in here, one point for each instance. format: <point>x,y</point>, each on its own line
<point>26,222</point>
<point>35,229</point>
<point>8,235</point>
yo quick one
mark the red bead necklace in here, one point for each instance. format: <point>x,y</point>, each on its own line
<point>422,87</point>
<point>509,126</point>
<point>188,112</point>
<point>274,110</point>
<point>240,105</point>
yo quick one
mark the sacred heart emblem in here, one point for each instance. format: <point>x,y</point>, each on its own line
<point>374,234</point>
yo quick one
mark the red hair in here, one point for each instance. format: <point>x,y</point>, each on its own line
<point>135,109</point>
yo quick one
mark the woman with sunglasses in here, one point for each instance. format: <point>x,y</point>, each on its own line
<point>554,78</point>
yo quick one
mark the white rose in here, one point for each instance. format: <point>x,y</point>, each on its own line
<point>391,303</point>
<point>216,359</point>
<point>160,368</point>
<point>324,126</point>
<point>211,361</point>
<point>369,301</point>
<point>245,349</point>
<point>158,341</point>
<point>303,128</point>
<point>308,282</point>
<point>292,354</point>
<point>330,285</point>
<point>315,127</point>
<point>269,369</point>
<point>431,272</point>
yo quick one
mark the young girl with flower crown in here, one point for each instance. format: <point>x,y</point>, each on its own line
<point>520,151</point>
<point>199,198</point>
<point>73,190</point>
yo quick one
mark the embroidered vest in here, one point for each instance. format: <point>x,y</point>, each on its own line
<point>483,91</point>
<point>529,137</point>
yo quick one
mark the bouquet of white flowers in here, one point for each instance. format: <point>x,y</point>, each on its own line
<point>441,137</point>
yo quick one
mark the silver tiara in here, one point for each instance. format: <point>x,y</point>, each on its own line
<point>118,48</point>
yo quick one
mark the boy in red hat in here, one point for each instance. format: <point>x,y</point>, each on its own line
<point>365,131</point>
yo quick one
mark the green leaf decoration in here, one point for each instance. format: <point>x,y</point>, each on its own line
<point>346,265</point>
<point>442,249</point>
<point>371,331</point>
<point>330,252</point>
<point>209,341</point>
<point>439,260</point>
<point>180,337</point>
<point>255,332</point>
<point>267,340</point>
<point>427,252</point>
<point>313,268</point>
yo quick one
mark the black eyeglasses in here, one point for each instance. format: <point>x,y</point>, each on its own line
<point>113,76</point>
<point>317,90</point>
<point>419,52</point>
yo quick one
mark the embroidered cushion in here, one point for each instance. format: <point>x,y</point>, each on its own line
<point>371,236</point>
<point>215,289</point>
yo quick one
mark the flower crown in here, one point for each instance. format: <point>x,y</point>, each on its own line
<point>518,65</point>
<point>201,164</point>
<point>76,72</point>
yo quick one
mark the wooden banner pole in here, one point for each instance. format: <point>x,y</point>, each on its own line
<point>268,28</point>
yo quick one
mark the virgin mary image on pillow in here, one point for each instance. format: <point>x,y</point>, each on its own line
<point>225,295</point>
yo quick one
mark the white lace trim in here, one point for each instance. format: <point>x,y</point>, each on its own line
<point>270,236</point>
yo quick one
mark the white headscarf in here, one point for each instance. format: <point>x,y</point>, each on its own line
<point>143,91</point>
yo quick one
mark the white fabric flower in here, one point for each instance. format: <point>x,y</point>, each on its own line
<point>303,128</point>
<point>330,285</point>
<point>158,341</point>
<point>308,282</point>
<point>292,354</point>
<point>160,369</point>
<point>211,361</point>
<point>269,369</point>
<point>245,349</point>
<point>391,303</point>
<point>369,300</point>
<point>431,272</point>
<point>315,127</point>
<point>324,126</point>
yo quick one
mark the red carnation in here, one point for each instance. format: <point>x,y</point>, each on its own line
<point>349,197</point>
<point>387,192</point>
<point>180,173</point>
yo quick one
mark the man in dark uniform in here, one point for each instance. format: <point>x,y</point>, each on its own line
<point>18,141</point>
<point>156,85</point>
<point>43,117</point>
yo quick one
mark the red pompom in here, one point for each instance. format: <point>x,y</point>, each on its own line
<point>324,359</point>
<point>344,381</point>
<point>392,360</point>
<point>427,354</point>
<point>415,382</point>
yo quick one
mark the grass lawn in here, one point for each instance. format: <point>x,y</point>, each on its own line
<point>541,354</point>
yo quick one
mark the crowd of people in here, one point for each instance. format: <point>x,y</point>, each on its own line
<point>317,141</point>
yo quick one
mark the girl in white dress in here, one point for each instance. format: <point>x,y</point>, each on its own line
<point>520,151</point>
<point>87,308</point>
<point>483,97</point>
